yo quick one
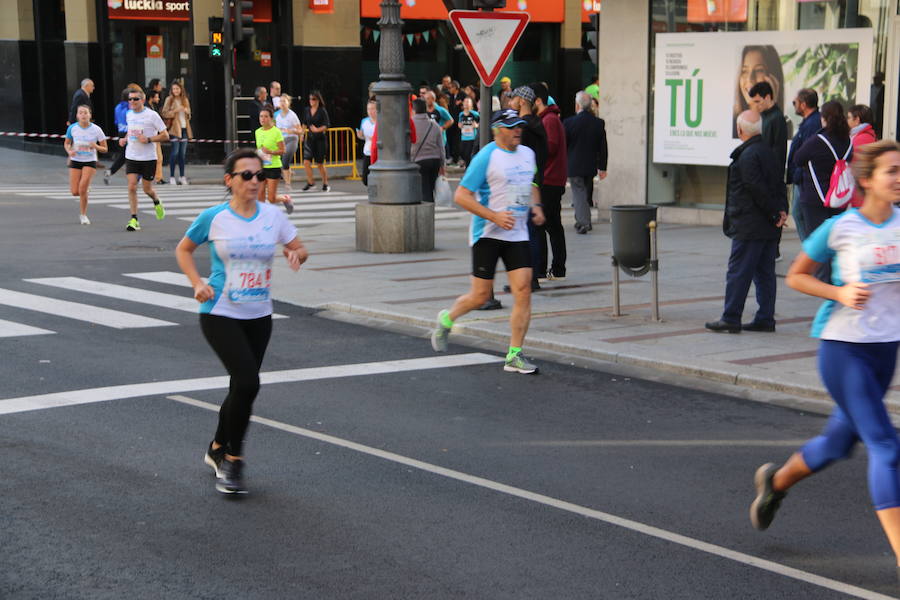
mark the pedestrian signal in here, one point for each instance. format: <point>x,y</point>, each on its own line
<point>216,39</point>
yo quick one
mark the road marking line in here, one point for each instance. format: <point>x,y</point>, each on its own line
<point>157,388</point>
<point>123,292</point>
<point>299,210</point>
<point>79,312</point>
<point>12,329</point>
<point>170,277</point>
<point>636,526</point>
<point>183,206</point>
<point>658,443</point>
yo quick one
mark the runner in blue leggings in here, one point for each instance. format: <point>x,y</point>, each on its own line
<point>859,326</point>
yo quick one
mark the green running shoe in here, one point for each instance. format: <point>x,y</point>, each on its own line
<point>519,364</point>
<point>439,335</point>
<point>767,501</point>
<point>133,225</point>
<point>160,211</point>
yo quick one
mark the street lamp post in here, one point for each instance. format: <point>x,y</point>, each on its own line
<point>394,219</point>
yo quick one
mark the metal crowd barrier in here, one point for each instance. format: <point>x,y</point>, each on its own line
<point>341,151</point>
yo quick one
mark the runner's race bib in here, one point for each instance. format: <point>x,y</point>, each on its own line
<point>84,150</point>
<point>522,201</point>
<point>879,256</point>
<point>468,130</point>
<point>248,281</point>
<point>135,133</point>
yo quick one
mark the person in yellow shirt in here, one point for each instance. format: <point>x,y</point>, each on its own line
<point>269,148</point>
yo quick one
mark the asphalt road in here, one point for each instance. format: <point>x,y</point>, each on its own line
<point>438,482</point>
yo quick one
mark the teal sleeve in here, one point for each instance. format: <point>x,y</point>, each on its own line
<point>816,245</point>
<point>475,177</point>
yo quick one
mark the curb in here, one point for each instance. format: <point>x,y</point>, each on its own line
<point>734,378</point>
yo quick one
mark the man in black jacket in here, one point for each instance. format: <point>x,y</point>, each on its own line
<point>587,156</point>
<point>755,210</point>
<point>81,96</point>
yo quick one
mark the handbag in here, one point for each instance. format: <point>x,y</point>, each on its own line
<point>443,196</point>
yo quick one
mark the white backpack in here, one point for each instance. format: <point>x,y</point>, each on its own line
<point>841,185</point>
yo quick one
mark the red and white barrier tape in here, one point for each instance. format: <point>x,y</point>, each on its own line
<point>61,136</point>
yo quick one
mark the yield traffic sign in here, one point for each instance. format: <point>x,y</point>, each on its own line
<point>488,37</point>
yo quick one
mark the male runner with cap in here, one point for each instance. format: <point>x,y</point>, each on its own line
<point>499,190</point>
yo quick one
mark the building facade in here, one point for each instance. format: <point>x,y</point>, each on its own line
<point>636,92</point>
<point>328,45</point>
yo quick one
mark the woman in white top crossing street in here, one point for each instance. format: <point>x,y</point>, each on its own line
<point>83,141</point>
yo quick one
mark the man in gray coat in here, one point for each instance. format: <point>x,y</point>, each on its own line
<point>587,156</point>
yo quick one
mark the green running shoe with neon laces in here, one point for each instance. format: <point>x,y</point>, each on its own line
<point>440,334</point>
<point>519,364</point>
<point>160,211</point>
<point>133,225</point>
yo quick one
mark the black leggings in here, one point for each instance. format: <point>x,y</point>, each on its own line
<point>240,344</point>
<point>117,164</point>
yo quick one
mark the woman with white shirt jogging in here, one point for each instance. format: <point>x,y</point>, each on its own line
<point>83,140</point>
<point>859,325</point>
<point>236,306</point>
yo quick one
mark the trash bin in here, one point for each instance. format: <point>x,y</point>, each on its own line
<point>631,237</point>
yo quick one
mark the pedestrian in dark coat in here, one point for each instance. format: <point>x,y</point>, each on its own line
<point>755,210</point>
<point>82,96</point>
<point>587,156</point>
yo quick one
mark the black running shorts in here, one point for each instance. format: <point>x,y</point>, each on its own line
<point>486,251</point>
<point>74,164</point>
<point>145,168</point>
<point>272,172</point>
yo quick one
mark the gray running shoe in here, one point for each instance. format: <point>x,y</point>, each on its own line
<point>520,364</point>
<point>440,335</point>
<point>230,477</point>
<point>767,501</point>
<point>214,458</point>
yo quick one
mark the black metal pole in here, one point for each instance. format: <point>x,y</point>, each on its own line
<point>228,61</point>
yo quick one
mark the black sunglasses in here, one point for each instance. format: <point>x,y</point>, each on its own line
<point>248,175</point>
<point>134,99</point>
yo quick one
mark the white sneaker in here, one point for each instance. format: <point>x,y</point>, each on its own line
<point>182,180</point>
<point>84,220</point>
<point>172,181</point>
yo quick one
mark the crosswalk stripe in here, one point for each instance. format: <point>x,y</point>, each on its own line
<point>11,329</point>
<point>123,292</point>
<point>80,312</point>
<point>169,277</point>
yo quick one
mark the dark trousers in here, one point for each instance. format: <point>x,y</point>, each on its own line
<point>367,162</point>
<point>751,261</point>
<point>429,170</point>
<point>453,143</point>
<point>466,150</point>
<point>551,198</point>
<point>813,215</point>
<point>118,163</point>
<point>240,344</point>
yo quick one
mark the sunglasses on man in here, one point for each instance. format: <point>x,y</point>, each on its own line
<point>133,98</point>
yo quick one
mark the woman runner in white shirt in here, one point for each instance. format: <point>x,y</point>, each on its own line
<point>859,328</point>
<point>83,141</point>
<point>236,307</point>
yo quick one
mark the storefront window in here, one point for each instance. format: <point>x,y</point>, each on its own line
<point>703,185</point>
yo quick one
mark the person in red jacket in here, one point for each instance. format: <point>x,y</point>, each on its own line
<point>860,119</point>
<point>553,187</point>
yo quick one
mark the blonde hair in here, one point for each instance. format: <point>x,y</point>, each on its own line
<point>287,98</point>
<point>864,158</point>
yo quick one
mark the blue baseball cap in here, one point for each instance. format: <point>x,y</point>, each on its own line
<point>506,118</point>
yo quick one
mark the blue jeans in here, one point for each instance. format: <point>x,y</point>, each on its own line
<point>179,148</point>
<point>858,376</point>
<point>751,261</point>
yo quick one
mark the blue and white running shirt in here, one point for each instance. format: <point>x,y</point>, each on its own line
<point>83,139</point>
<point>860,251</point>
<point>501,180</point>
<point>241,252</point>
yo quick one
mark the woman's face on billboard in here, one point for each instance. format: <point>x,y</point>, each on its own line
<point>754,70</point>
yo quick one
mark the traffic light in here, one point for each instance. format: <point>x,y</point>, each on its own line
<point>592,31</point>
<point>216,39</point>
<point>243,21</point>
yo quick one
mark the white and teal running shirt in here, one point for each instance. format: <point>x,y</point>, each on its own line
<point>241,252</point>
<point>859,251</point>
<point>501,180</point>
<point>83,140</point>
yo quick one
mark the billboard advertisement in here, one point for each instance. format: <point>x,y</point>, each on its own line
<point>701,82</point>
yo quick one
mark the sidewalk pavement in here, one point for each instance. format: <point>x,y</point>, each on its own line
<point>571,318</point>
